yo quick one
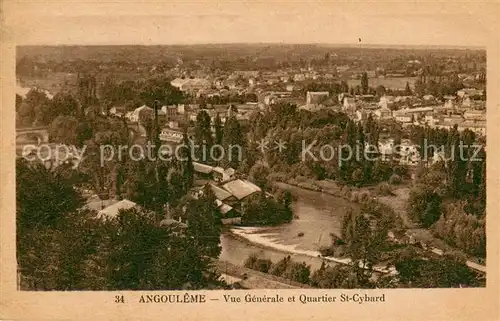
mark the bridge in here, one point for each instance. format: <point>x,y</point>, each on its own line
<point>41,134</point>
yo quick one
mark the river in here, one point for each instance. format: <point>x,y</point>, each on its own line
<point>317,216</point>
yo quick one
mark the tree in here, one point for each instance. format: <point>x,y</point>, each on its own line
<point>357,177</point>
<point>258,174</point>
<point>19,100</point>
<point>64,130</point>
<point>203,136</point>
<point>45,202</point>
<point>434,273</point>
<point>42,196</point>
<point>63,104</point>
<point>204,224</point>
<point>145,255</point>
<point>419,86</point>
<point>187,167</point>
<point>364,82</point>
<point>87,86</point>
<point>159,89</point>
<point>408,91</point>
<point>344,86</point>
<point>365,234</point>
<point>26,114</point>
<point>61,246</point>
<point>335,277</point>
<point>298,272</point>
<point>380,90</point>
<point>233,142</point>
<point>219,130</point>
<point>38,100</point>
<point>424,205</point>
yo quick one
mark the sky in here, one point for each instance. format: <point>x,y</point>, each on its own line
<point>391,23</point>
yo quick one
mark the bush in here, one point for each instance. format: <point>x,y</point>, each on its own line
<point>278,177</point>
<point>259,264</point>
<point>401,170</point>
<point>301,179</point>
<point>354,196</point>
<point>298,272</point>
<point>250,261</point>
<point>395,179</point>
<point>384,189</point>
<point>280,267</point>
<point>364,196</point>
<point>326,251</point>
<point>359,196</point>
<point>346,191</point>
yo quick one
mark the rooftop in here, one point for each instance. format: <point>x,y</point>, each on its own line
<point>241,188</point>
<point>220,193</point>
<point>113,210</point>
<point>202,168</point>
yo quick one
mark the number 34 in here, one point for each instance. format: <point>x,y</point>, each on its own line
<point>119,299</point>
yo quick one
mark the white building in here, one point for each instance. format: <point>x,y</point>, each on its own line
<point>386,101</point>
<point>143,113</point>
<point>383,113</point>
<point>316,97</point>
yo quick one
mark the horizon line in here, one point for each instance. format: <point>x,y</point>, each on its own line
<point>325,44</point>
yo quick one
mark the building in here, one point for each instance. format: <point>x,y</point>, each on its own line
<point>402,116</point>
<point>316,97</point>
<point>203,171</point>
<point>449,104</point>
<point>361,115</point>
<point>419,111</point>
<point>366,98</point>
<point>349,104</point>
<point>191,84</point>
<point>470,92</point>
<point>222,175</point>
<point>229,196</point>
<point>386,149</point>
<point>478,127</point>
<point>383,113</point>
<point>409,155</point>
<point>241,189</point>
<point>112,211</point>
<point>145,113</point>
<point>118,111</point>
<point>475,115</point>
<point>431,119</point>
<point>170,111</point>
<point>171,135</point>
<point>386,101</point>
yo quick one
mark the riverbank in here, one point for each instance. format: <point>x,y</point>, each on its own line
<point>396,202</point>
<point>252,279</point>
<point>252,236</point>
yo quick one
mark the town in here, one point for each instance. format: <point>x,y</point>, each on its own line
<point>412,215</point>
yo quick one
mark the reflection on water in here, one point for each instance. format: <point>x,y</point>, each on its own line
<point>318,214</point>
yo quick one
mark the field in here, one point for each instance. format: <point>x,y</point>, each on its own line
<point>53,82</point>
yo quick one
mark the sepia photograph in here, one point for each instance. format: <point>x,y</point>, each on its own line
<point>260,150</point>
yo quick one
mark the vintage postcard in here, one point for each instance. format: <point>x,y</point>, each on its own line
<point>249,160</point>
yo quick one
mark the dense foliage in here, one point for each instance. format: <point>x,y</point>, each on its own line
<point>62,246</point>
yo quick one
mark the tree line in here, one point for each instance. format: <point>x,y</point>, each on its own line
<point>62,245</point>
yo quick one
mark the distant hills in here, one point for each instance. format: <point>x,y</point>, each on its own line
<point>203,51</point>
